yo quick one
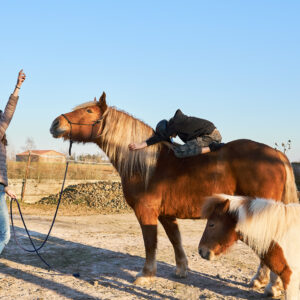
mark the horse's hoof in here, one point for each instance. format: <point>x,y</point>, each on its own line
<point>181,272</point>
<point>144,280</point>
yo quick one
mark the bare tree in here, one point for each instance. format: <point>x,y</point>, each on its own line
<point>29,144</point>
<point>284,146</point>
<point>11,153</point>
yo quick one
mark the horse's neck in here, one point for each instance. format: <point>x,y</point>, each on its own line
<point>121,130</point>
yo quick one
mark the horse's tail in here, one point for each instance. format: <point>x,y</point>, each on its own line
<point>290,190</point>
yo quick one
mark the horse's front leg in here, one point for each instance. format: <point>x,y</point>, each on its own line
<point>172,230</point>
<point>292,290</point>
<point>261,278</point>
<point>148,218</point>
<point>273,289</point>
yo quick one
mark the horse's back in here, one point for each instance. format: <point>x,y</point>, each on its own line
<point>261,170</point>
<point>179,186</point>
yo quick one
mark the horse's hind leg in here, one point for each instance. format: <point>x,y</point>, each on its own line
<point>171,227</point>
<point>261,278</point>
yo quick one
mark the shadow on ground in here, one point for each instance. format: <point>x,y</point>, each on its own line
<point>110,269</point>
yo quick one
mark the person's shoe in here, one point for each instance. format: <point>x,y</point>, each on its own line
<point>214,146</point>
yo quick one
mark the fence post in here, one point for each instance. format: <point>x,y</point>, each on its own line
<point>26,175</point>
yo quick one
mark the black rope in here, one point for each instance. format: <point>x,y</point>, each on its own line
<point>37,249</point>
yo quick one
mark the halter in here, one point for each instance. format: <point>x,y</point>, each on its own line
<point>91,124</point>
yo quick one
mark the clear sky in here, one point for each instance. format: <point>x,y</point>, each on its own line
<point>236,63</point>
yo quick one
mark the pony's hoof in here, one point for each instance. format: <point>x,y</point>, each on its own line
<point>272,291</point>
<point>144,280</point>
<point>256,284</point>
<point>181,272</point>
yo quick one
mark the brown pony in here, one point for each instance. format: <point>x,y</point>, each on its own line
<point>270,228</point>
<point>160,187</point>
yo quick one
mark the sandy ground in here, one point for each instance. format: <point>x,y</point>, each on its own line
<point>108,251</point>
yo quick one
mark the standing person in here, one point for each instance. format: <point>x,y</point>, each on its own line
<point>5,118</point>
<point>199,135</point>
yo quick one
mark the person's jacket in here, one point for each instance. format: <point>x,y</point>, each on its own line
<point>187,128</point>
<point>5,119</point>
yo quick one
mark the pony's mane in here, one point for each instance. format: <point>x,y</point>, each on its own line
<point>119,131</point>
<point>262,221</point>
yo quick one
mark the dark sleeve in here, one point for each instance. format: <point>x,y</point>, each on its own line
<point>154,139</point>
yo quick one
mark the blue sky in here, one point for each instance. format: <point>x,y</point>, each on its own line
<point>236,63</point>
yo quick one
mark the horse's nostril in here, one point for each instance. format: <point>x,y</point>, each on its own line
<point>55,124</point>
<point>205,253</point>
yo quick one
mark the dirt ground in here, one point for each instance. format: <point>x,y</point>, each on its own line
<point>108,252</point>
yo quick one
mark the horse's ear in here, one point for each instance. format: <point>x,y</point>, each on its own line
<point>95,99</point>
<point>102,102</point>
<point>222,207</point>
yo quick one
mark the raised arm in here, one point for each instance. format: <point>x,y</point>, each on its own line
<point>21,78</point>
<point>9,110</point>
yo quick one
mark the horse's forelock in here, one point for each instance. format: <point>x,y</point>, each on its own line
<point>85,105</point>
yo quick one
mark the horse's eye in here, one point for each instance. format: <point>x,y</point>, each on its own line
<point>89,111</point>
<point>211,225</point>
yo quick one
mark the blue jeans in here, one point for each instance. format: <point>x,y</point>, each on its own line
<point>4,220</point>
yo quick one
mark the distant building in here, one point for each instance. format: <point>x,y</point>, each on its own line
<point>41,156</point>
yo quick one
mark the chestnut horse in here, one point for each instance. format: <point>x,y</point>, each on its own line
<point>159,186</point>
<point>270,228</point>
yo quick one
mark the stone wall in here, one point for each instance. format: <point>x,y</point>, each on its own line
<point>296,168</point>
<point>105,196</point>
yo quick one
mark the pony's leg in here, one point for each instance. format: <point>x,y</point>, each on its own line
<point>172,230</point>
<point>273,289</point>
<point>292,290</point>
<point>261,278</point>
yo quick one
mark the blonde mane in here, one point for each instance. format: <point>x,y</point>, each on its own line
<point>119,131</point>
<point>262,221</point>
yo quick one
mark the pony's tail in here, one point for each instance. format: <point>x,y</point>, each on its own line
<point>290,190</point>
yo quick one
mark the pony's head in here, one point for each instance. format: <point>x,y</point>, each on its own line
<point>219,233</point>
<point>83,124</point>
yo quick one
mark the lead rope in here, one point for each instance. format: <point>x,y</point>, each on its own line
<point>37,249</point>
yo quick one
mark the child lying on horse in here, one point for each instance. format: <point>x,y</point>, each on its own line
<point>270,228</point>
<point>199,135</point>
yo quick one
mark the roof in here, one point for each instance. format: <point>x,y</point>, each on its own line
<point>41,152</point>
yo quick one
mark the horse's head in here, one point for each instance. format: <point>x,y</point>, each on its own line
<point>219,233</point>
<point>83,124</point>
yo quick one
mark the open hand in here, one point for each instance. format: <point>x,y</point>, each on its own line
<point>137,146</point>
<point>21,78</point>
